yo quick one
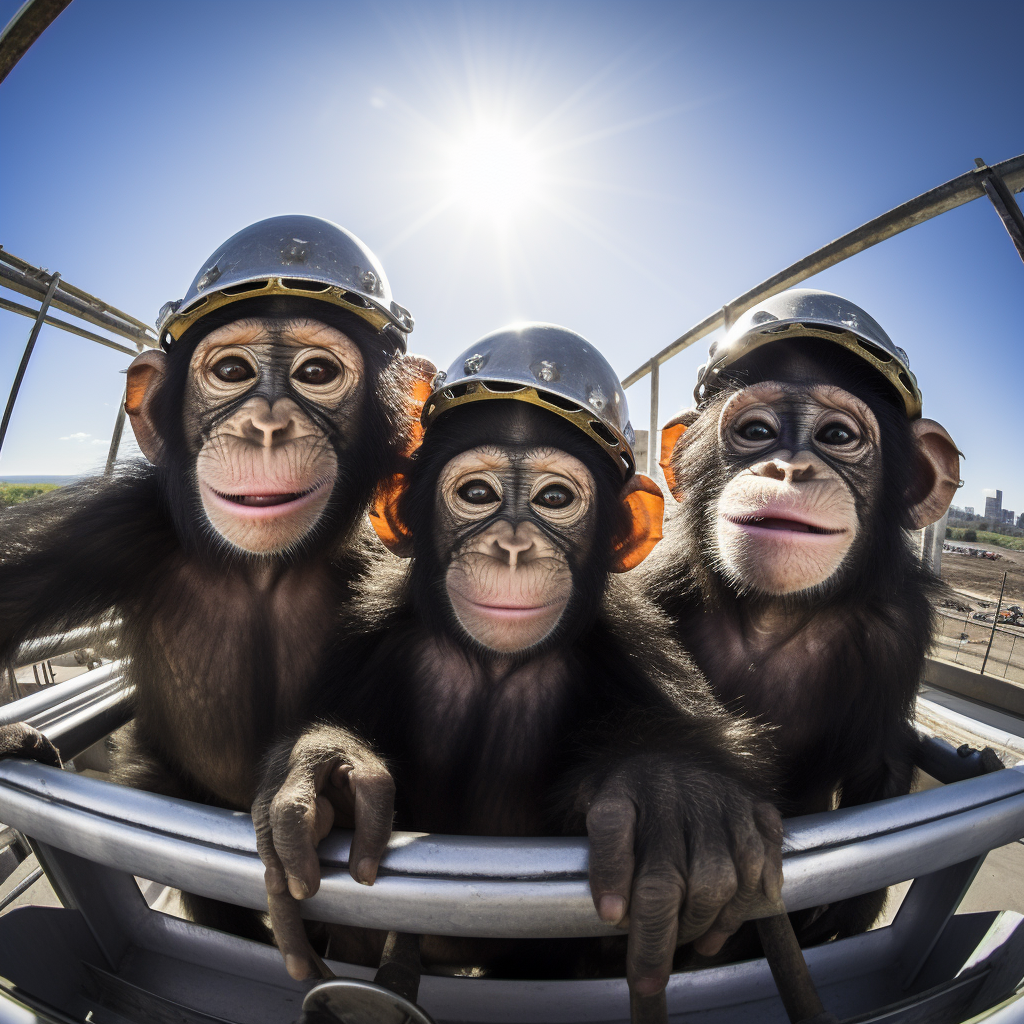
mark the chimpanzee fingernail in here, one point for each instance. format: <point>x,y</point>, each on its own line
<point>611,908</point>
<point>366,871</point>
<point>297,966</point>
<point>297,888</point>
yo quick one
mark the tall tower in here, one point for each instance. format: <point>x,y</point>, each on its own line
<point>994,508</point>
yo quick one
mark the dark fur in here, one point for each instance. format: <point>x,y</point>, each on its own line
<point>843,716</point>
<point>608,687</point>
<point>219,660</point>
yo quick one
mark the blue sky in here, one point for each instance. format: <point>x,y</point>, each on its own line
<point>678,153</point>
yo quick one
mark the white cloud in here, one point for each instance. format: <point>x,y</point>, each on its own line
<point>76,437</point>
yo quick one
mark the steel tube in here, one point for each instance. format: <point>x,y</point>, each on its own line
<point>213,852</point>
<point>652,436</point>
<point>115,437</point>
<point>948,196</point>
<point>30,21</point>
<point>27,355</point>
<point>52,321</point>
<point>64,643</point>
<point>36,704</point>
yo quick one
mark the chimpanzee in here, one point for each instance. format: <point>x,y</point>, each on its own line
<point>787,565</point>
<point>504,686</point>
<point>280,401</point>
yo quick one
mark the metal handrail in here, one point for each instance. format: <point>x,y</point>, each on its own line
<point>47,647</point>
<point>488,887</point>
<point>996,182</point>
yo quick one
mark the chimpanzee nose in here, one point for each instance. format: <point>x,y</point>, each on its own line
<point>793,470</point>
<point>513,543</point>
<point>271,423</point>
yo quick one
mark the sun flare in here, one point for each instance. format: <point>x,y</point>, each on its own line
<point>494,172</point>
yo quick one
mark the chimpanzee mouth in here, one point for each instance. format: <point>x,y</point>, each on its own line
<point>266,500</point>
<point>778,523</point>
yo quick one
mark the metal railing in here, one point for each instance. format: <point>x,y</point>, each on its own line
<point>997,182</point>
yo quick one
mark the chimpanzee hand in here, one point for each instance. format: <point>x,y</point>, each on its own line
<point>330,778</point>
<point>677,854</point>
<point>21,740</point>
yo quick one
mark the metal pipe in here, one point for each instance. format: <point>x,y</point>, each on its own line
<point>115,438</point>
<point>948,196</point>
<point>1006,206</point>
<point>52,321</point>
<point>23,365</point>
<point>30,21</point>
<point>652,436</point>
<point>35,704</point>
<point>26,883</point>
<point>47,647</point>
<point>456,891</point>
<point>995,622</point>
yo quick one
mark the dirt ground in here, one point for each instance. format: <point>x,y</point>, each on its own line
<point>981,577</point>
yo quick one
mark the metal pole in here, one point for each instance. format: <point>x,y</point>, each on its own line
<point>115,440</point>
<point>652,437</point>
<point>19,376</point>
<point>994,621</point>
<point>1006,206</point>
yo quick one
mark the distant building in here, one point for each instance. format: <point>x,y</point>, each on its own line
<point>969,511</point>
<point>994,507</point>
<point>1008,516</point>
<point>1020,521</point>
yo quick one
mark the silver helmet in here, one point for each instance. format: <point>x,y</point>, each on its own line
<point>547,366</point>
<point>304,257</point>
<point>803,313</point>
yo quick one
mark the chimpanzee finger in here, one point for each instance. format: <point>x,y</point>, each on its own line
<point>300,960</point>
<point>769,823</point>
<point>20,740</point>
<point>374,812</point>
<point>274,876</point>
<point>653,926</point>
<point>711,886</point>
<point>299,818</point>
<point>611,827</point>
<point>748,861</point>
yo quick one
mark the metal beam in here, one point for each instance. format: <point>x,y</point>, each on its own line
<point>52,321</point>
<point>947,196</point>
<point>30,21</point>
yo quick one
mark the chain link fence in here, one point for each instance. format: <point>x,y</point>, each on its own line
<point>966,641</point>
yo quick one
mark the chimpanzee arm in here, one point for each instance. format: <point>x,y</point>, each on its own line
<point>69,556</point>
<point>328,776</point>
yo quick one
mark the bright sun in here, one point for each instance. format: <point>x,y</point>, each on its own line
<point>494,172</point>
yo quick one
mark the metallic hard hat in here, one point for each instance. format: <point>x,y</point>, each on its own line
<point>547,366</point>
<point>304,257</point>
<point>803,313</point>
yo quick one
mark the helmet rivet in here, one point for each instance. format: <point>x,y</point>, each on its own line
<point>208,278</point>
<point>368,279</point>
<point>439,378</point>
<point>546,370</point>
<point>474,363</point>
<point>294,253</point>
<point>596,398</point>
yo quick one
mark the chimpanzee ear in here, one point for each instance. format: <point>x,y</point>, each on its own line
<point>670,434</point>
<point>643,497</point>
<point>421,374</point>
<point>938,475</point>
<point>384,516</point>
<point>145,375</point>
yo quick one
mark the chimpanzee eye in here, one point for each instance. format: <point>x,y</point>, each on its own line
<point>835,433</point>
<point>316,372</point>
<point>555,496</point>
<point>233,369</point>
<point>478,492</point>
<point>757,430</point>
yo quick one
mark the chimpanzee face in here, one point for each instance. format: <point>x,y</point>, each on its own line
<point>510,524</point>
<point>807,462</point>
<point>263,403</point>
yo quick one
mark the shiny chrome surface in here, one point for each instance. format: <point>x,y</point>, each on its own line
<point>64,643</point>
<point>532,361</point>
<point>488,886</point>
<point>297,249</point>
<point>809,312</point>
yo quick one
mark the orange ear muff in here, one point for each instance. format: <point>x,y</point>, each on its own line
<point>384,516</point>
<point>669,436</point>
<point>646,505</point>
<point>423,371</point>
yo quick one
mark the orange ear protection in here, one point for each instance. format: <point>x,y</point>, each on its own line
<point>384,516</point>
<point>669,437</point>
<point>647,509</point>
<point>424,371</point>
